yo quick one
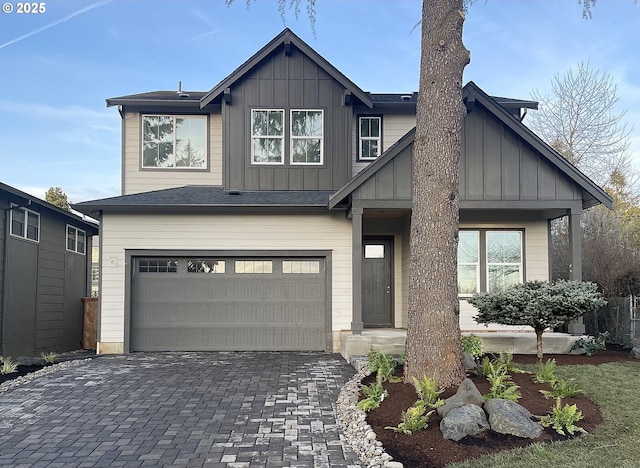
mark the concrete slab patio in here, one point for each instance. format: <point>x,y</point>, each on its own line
<point>180,409</point>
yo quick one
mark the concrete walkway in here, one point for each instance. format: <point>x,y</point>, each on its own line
<point>180,409</point>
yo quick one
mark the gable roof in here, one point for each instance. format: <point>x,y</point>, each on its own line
<point>471,92</point>
<point>198,198</point>
<point>166,98</point>
<point>30,201</point>
<point>285,39</point>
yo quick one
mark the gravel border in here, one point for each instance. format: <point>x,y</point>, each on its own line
<point>11,384</point>
<point>356,430</point>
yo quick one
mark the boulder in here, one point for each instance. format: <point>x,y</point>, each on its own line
<point>469,362</point>
<point>508,417</point>
<point>463,421</point>
<point>635,352</point>
<point>467,394</point>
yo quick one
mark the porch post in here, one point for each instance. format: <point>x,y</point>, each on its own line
<point>356,270</point>
<point>576,327</point>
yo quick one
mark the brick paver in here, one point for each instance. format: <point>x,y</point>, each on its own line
<point>180,409</point>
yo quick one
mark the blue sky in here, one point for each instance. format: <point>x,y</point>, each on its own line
<point>58,67</point>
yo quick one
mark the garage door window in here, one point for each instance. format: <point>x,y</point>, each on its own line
<point>158,265</point>
<point>300,266</point>
<point>254,266</point>
<point>206,265</point>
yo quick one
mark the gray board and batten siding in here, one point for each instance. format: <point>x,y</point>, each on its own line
<point>42,283</point>
<point>287,81</point>
<point>497,171</point>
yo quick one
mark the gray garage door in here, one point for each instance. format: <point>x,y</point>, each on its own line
<point>228,304</point>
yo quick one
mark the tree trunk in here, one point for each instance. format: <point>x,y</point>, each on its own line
<point>539,333</point>
<point>433,330</point>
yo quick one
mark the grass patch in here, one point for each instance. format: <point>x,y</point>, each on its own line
<point>615,443</point>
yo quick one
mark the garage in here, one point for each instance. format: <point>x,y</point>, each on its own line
<point>228,304</point>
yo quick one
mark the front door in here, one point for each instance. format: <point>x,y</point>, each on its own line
<point>377,294</point>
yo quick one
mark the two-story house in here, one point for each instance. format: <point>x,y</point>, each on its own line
<point>273,212</point>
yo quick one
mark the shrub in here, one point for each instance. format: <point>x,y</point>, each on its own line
<point>428,392</point>
<point>501,384</point>
<point>383,364</point>
<point>471,344</point>
<point>8,366</point>
<point>563,419</point>
<point>545,372</point>
<point>538,304</point>
<point>414,419</point>
<point>374,394</point>
<point>49,358</point>
<point>592,345</point>
<point>562,389</point>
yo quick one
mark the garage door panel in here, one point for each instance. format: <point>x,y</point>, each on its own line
<point>226,310</point>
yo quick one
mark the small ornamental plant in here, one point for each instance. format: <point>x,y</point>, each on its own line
<point>374,394</point>
<point>7,366</point>
<point>538,304</point>
<point>414,419</point>
<point>501,384</point>
<point>472,345</point>
<point>428,392</point>
<point>545,372</point>
<point>592,344</point>
<point>49,358</point>
<point>563,419</point>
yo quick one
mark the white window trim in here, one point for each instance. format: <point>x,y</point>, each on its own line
<point>174,167</point>
<point>520,265</point>
<point>476,264</point>
<point>281,137</point>
<point>66,239</point>
<point>361,139</point>
<point>23,236</point>
<point>306,137</point>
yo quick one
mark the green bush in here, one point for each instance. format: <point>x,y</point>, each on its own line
<point>592,344</point>
<point>501,384</point>
<point>428,392</point>
<point>471,344</point>
<point>383,365</point>
<point>374,394</point>
<point>545,372</point>
<point>563,419</point>
<point>538,304</point>
<point>562,389</point>
<point>414,419</point>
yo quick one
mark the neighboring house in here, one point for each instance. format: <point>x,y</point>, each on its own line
<point>272,212</point>
<point>44,273</point>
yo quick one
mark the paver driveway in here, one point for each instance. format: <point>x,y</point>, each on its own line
<point>180,409</point>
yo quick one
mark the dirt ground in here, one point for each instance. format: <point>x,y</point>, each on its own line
<point>427,448</point>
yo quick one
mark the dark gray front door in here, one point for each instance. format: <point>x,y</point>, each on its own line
<point>377,290</point>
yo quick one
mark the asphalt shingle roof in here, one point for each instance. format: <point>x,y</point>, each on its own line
<point>202,196</point>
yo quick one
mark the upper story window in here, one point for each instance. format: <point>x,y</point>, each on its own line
<point>370,137</point>
<point>76,240</point>
<point>307,131</point>
<point>489,260</point>
<point>306,134</point>
<point>174,141</point>
<point>25,223</point>
<point>267,136</point>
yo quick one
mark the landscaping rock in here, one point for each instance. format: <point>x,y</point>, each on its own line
<point>463,421</point>
<point>635,352</point>
<point>469,362</point>
<point>508,417</point>
<point>467,394</point>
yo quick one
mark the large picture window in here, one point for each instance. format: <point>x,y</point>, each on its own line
<point>370,137</point>
<point>25,223</point>
<point>307,131</point>
<point>489,260</point>
<point>267,136</point>
<point>174,141</point>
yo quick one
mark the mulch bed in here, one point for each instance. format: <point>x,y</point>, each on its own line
<point>427,448</point>
<point>22,370</point>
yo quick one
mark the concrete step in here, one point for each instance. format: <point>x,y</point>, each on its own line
<point>393,341</point>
